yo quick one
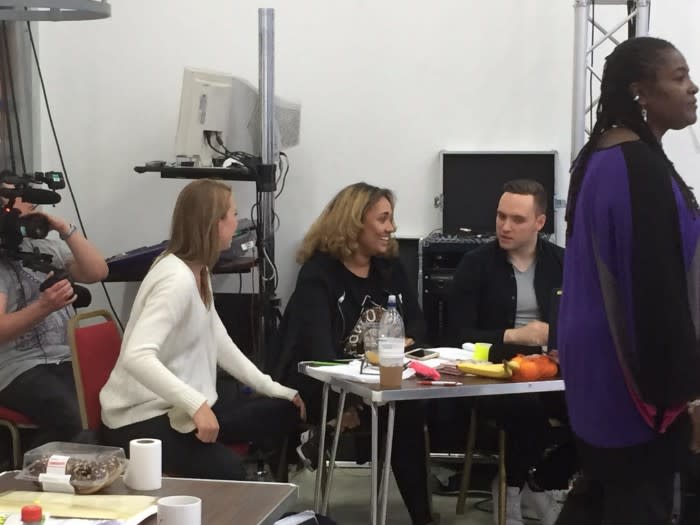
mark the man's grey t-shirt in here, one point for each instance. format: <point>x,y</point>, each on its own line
<point>47,341</point>
<point>526,309</point>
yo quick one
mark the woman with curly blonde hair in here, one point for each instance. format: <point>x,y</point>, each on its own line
<point>337,230</point>
<point>349,267</point>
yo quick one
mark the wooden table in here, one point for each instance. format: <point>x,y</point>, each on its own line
<point>223,502</point>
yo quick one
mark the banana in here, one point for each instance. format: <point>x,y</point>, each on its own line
<point>497,371</point>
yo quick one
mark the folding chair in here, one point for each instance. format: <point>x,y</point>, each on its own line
<point>13,422</point>
<point>95,349</point>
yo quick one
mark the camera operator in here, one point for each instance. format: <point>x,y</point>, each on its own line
<point>36,377</point>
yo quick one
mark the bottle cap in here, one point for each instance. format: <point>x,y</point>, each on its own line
<point>32,513</point>
<point>392,300</point>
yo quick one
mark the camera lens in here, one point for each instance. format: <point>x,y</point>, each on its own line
<point>34,226</point>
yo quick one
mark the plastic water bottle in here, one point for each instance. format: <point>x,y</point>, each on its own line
<point>391,346</point>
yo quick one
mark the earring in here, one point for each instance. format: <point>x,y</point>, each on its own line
<point>642,108</point>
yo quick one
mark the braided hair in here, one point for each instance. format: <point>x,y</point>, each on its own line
<point>634,60</point>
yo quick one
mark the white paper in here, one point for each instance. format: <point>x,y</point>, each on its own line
<point>456,354</point>
<point>351,371</point>
<point>297,519</point>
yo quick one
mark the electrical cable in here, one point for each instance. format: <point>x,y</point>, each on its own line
<point>23,303</point>
<point>252,316</point>
<point>208,135</point>
<point>267,260</point>
<point>14,99</point>
<point>272,277</point>
<point>6,112</point>
<point>284,176</point>
<point>63,164</point>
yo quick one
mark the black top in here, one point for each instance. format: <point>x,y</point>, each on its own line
<point>325,306</point>
<point>483,298</point>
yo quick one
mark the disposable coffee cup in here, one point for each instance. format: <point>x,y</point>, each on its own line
<point>391,361</point>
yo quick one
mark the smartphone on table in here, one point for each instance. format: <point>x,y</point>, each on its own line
<point>421,354</point>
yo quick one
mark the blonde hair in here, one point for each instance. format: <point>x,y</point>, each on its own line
<point>337,229</point>
<point>194,231</point>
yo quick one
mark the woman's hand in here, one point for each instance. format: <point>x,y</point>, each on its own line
<point>57,295</point>
<point>553,355</point>
<point>56,223</point>
<point>299,403</point>
<point>206,423</point>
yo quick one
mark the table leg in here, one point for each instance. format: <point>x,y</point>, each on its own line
<point>501,477</point>
<point>331,463</point>
<point>387,461</point>
<point>375,465</point>
<point>319,468</point>
<point>467,468</point>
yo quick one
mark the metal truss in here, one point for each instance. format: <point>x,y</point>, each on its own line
<point>589,35</point>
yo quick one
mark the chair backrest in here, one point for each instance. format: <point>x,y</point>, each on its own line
<point>95,349</point>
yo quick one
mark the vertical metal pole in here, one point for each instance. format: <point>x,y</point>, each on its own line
<point>266,183</point>
<point>266,81</point>
<point>642,22</point>
<point>578,103</point>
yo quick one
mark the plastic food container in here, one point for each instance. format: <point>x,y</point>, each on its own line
<point>73,467</point>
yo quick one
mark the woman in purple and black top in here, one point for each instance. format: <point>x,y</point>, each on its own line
<point>630,312</point>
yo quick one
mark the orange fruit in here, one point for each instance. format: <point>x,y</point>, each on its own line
<point>518,358</point>
<point>548,368</point>
<point>528,371</point>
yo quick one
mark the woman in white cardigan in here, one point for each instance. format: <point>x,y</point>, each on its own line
<point>164,384</point>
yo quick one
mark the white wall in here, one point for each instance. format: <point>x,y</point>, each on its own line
<point>385,85</point>
<point>677,22</point>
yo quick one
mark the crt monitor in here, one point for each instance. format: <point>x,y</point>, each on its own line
<point>228,106</point>
<point>472,184</point>
<point>205,106</point>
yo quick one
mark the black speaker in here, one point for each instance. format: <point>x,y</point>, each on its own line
<point>440,256</point>
<point>408,255</point>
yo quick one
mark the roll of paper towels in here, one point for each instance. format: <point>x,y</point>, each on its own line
<point>145,464</point>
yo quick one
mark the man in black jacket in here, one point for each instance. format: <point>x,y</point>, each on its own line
<point>501,295</point>
<point>501,291</point>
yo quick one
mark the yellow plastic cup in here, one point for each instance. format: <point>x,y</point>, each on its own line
<point>481,351</point>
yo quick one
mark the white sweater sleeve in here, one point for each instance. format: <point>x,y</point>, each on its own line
<point>163,308</point>
<point>231,359</point>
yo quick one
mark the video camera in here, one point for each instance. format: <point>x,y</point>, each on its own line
<point>14,228</point>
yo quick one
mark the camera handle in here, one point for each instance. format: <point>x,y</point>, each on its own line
<point>58,275</point>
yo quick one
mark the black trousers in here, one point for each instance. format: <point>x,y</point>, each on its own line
<point>619,502</point>
<point>46,394</point>
<point>265,422</point>
<point>525,419</point>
